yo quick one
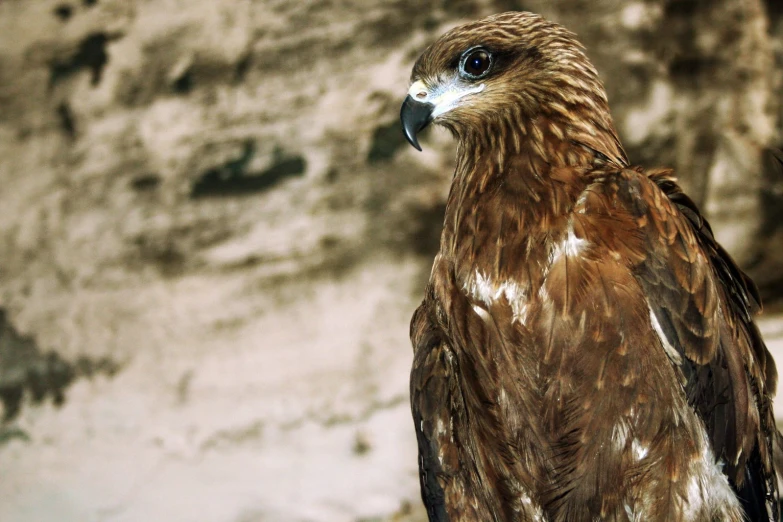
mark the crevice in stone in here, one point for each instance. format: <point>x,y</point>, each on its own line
<point>374,407</point>
<point>63,12</point>
<point>234,437</point>
<point>90,55</point>
<point>27,371</point>
<point>165,253</point>
<point>67,122</point>
<point>233,178</point>
<point>242,67</point>
<point>184,83</point>
<point>9,433</point>
<point>145,183</point>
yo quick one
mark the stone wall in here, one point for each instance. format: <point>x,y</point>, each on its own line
<point>214,235</point>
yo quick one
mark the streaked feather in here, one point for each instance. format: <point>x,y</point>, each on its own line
<point>586,349</point>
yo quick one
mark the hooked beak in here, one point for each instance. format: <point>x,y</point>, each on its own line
<point>415,115</point>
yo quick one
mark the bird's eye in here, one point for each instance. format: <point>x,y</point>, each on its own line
<point>475,63</point>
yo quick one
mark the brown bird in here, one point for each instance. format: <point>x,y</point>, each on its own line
<point>585,350</point>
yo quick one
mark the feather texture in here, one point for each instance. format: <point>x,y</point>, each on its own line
<point>585,349</point>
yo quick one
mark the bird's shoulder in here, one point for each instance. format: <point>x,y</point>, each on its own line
<point>702,307</point>
<point>647,219</point>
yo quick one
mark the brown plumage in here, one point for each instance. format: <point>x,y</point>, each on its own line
<point>585,349</point>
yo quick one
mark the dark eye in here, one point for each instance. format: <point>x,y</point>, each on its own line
<point>475,63</point>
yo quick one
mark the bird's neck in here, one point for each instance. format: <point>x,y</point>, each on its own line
<point>514,188</point>
<point>533,164</point>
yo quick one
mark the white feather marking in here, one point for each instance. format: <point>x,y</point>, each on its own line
<point>673,354</point>
<point>482,313</point>
<point>709,495</point>
<point>571,246</point>
<point>633,516</point>
<point>538,513</point>
<point>639,450</point>
<point>440,428</point>
<point>502,397</point>
<point>580,203</point>
<point>620,433</point>
<point>483,289</point>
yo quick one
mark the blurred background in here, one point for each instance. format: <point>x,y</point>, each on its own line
<point>213,235</point>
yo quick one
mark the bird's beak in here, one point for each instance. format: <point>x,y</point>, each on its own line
<point>415,115</point>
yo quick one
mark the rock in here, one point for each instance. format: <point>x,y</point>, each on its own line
<point>212,200</point>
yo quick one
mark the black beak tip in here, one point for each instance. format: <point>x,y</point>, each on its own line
<point>411,138</point>
<point>414,116</point>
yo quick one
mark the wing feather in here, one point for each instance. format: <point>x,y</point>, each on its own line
<point>437,405</point>
<point>705,305</point>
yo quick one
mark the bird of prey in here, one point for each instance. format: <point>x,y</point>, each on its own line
<point>585,349</point>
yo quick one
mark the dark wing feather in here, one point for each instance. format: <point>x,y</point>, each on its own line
<point>429,385</point>
<point>704,305</point>
<point>436,404</point>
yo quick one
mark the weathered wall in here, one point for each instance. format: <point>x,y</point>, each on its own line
<point>213,234</point>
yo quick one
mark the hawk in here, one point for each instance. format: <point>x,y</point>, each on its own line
<point>585,349</point>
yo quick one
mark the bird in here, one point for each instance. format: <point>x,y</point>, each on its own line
<point>585,348</point>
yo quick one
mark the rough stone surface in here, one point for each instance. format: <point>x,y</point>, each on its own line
<point>214,234</point>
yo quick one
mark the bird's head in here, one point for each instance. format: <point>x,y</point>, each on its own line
<point>499,72</point>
